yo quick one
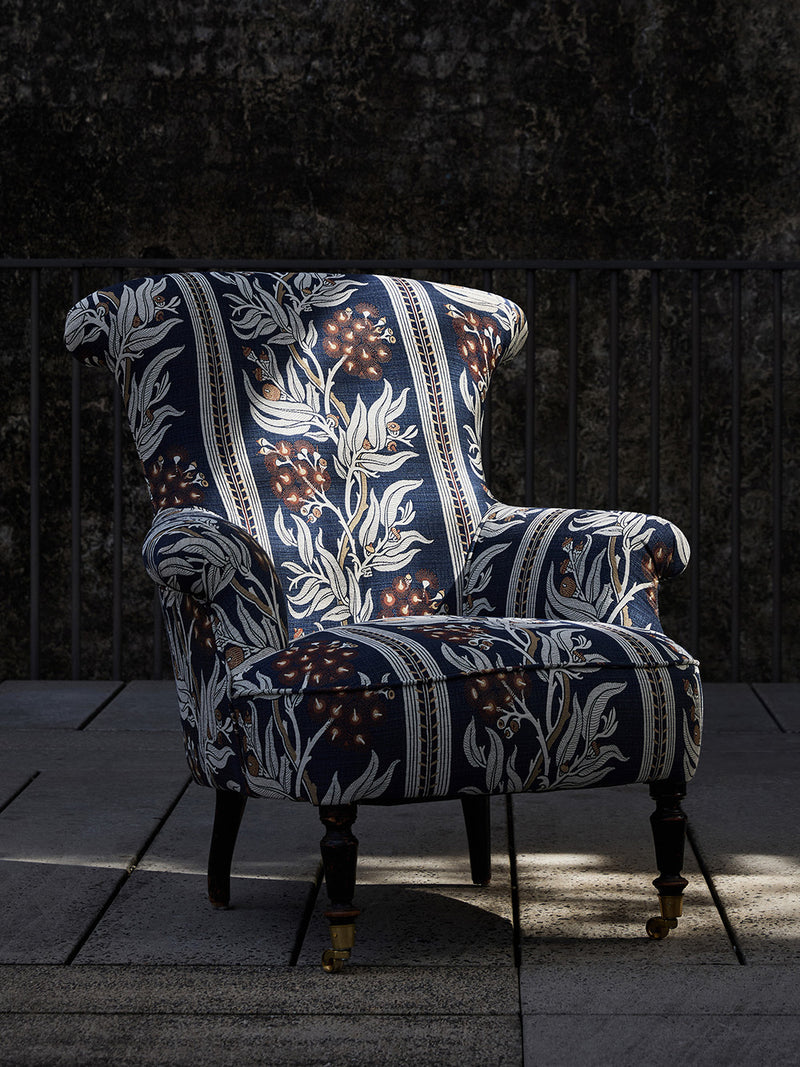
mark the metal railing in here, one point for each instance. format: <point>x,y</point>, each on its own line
<point>660,386</point>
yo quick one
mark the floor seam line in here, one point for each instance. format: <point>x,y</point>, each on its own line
<point>137,859</point>
<point>716,898</point>
<point>18,793</point>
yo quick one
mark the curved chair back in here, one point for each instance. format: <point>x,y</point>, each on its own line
<point>337,419</point>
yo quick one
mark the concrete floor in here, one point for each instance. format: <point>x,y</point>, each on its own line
<point>109,952</point>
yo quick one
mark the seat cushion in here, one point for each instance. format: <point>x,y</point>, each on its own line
<point>441,706</point>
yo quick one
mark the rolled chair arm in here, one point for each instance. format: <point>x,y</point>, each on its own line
<point>602,566</point>
<point>194,553</point>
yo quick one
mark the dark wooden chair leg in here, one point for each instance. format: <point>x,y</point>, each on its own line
<point>478,821</point>
<point>339,849</point>
<point>669,836</point>
<point>227,819</point>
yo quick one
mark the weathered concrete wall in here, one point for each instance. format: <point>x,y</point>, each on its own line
<point>580,128</point>
<point>411,128</point>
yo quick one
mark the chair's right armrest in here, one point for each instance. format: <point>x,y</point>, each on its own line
<point>559,563</point>
<point>190,552</point>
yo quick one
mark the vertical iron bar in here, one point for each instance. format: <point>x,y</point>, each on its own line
<point>613,390</point>
<point>75,501</point>
<point>572,392</point>
<point>35,471</point>
<point>777,471</point>
<point>695,461</point>
<point>116,562</point>
<point>530,387</point>
<point>655,391</point>
<point>736,469</point>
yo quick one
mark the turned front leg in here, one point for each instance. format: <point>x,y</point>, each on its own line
<point>339,848</point>
<point>669,837</point>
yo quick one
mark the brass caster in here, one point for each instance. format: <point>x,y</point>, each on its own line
<point>333,960</point>
<point>658,928</point>
<point>343,937</point>
<point>671,910</point>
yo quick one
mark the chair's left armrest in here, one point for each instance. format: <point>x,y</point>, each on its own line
<point>572,564</point>
<point>194,553</point>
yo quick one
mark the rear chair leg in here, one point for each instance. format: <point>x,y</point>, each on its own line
<point>227,819</point>
<point>478,821</point>
<point>669,836</point>
<point>339,849</point>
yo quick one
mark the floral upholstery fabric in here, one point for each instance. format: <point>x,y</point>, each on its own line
<point>351,614</point>
<point>569,564</point>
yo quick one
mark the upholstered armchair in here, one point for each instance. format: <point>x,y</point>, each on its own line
<point>353,618</point>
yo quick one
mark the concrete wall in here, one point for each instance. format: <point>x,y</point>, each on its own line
<point>403,128</point>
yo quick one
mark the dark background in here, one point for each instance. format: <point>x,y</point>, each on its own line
<point>582,128</point>
<point>344,129</point>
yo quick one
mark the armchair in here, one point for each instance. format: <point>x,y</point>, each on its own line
<point>352,617</point>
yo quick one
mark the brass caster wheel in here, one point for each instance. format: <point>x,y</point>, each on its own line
<point>658,928</point>
<point>343,937</point>
<point>333,961</point>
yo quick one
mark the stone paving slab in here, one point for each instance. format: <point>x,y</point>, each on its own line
<point>660,1041</point>
<point>208,1040</point>
<point>601,1014</point>
<point>735,708</point>
<point>783,700</point>
<point>70,836</point>
<point>243,989</point>
<point>746,810</point>
<point>162,914</point>
<point>142,705</point>
<point>235,1015</point>
<point>594,989</point>
<point>683,989</point>
<point>13,780</point>
<point>64,705</point>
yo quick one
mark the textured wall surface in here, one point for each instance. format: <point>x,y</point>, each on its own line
<point>337,128</point>
<point>411,128</point>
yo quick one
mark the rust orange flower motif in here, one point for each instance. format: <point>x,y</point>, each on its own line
<point>477,340</point>
<point>454,633</point>
<point>654,564</point>
<point>351,720</point>
<point>175,481</point>
<point>328,665</point>
<point>361,339</point>
<point>406,597</point>
<point>494,696</point>
<point>324,663</point>
<point>691,690</point>
<point>656,561</point>
<point>234,656</point>
<point>297,472</point>
<point>202,625</point>
<point>568,586</point>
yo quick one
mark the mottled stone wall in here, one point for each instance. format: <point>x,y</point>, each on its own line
<point>453,127</point>
<point>581,128</point>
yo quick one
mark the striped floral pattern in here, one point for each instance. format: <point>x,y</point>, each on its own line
<point>352,616</point>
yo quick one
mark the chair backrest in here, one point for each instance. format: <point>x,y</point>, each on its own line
<point>335,418</point>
